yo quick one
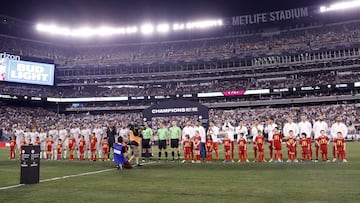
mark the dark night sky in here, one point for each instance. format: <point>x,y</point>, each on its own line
<point>93,12</point>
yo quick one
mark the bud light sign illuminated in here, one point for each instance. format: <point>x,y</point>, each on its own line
<point>29,72</point>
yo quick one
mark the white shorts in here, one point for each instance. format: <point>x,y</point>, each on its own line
<point>43,146</point>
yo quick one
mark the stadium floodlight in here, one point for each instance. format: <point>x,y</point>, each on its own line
<point>147,28</point>
<point>178,26</point>
<point>119,31</point>
<point>204,24</point>
<point>131,30</point>
<point>83,32</point>
<point>105,31</point>
<point>340,6</point>
<point>162,28</point>
<point>53,29</point>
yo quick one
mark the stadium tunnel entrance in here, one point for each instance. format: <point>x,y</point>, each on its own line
<point>180,108</point>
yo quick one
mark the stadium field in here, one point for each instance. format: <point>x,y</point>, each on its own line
<point>176,182</point>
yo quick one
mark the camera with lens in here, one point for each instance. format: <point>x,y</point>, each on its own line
<point>136,129</point>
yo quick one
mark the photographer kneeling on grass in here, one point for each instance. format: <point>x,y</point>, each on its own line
<point>120,158</point>
<point>135,141</point>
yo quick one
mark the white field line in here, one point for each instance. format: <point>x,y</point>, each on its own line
<point>65,177</point>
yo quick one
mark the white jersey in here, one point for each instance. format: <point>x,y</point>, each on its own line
<point>290,126</point>
<point>54,133</point>
<point>75,132</point>
<point>338,127</point>
<point>63,134</point>
<point>269,129</point>
<point>202,132</point>
<point>42,136</point>
<point>229,130</point>
<point>33,136</point>
<point>255,129</point>
<point>214,131</point>
<point>86,133</point>
<point>305,127</point>
<point>188,130</point>
<point>19,134</point>
<point>98,134</point>
<point>27,136</point>
<point>319,126</point>
<point>241,129</point>
<point>124,132</point>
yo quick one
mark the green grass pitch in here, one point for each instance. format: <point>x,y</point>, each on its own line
<point>176,182</point>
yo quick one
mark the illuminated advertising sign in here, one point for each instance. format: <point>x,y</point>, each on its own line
<point>234,93</point>
<point>29,72</point>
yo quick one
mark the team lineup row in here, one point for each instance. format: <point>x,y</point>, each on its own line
<point>99,140</point>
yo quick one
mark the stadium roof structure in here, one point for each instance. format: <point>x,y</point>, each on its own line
<point>187,20</point>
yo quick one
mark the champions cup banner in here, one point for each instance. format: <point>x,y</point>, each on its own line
<point>29,72</point>
<point>274,16</point>
<point>178,108</point>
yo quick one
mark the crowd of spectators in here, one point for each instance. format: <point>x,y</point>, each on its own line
<point>172,88</point>
<point>41,117</point>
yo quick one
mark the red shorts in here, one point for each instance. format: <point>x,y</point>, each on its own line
<point>323,148</point>
<point>277,145</point>
<point>197,148</point>
<point>105,151</point>
<point>305,150</point>
<point>271,144</point>
<point>227,148</point>
<point>242,151</point>
<point>49,148</point>
<point>291,149</point>
<point>215,146</point>
<point>340,149</point>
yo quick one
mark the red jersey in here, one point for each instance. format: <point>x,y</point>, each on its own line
<point>291,144</point>
<point>323,140</point>
<point>197,140</point>
<point>49,144</point>
<point>242,144</point>
<point>227,144</point>
<point>340,144</point>
<point>304,143</point>
<point>209,145</point>
<point>59,148</point>
<point>308,139</point>
<point>187,146</point>
<point>291,141</point>
<point>277,138</point>
<point>12,145</point>
<point>37,142</point>
<point>71,143</point>
<point>82,144</point>
<point>93,142</point>
<point>260,140</point>
<point>105,146</point>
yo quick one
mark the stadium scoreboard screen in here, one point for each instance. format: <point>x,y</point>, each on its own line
<point>26,72</point>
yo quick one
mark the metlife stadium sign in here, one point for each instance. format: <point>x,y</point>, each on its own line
<point>281,15</point>
<point>14,70</point>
